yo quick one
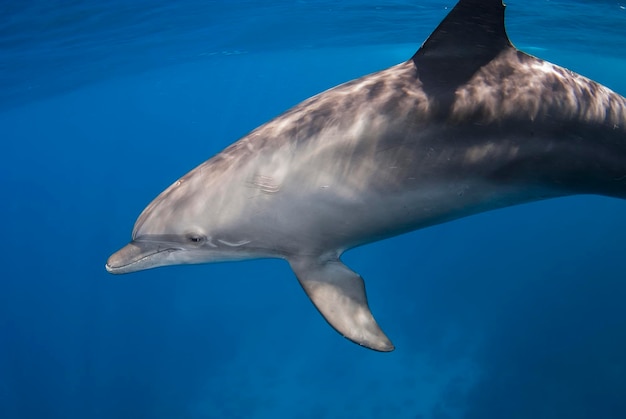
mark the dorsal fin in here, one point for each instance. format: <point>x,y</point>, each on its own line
<point>472,28</point>
<point>469,37</point>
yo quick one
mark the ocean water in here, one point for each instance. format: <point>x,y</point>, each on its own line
<point>515,313</point>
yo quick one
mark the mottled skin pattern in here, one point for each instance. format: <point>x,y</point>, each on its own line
<point>374,142</point>
<point>454,131</point>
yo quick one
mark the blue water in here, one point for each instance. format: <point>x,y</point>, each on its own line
<point>517,313</point>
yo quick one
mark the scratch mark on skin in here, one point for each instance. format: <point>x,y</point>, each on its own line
<point>265,184</point>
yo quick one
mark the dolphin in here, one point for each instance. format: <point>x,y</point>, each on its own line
<point>468,124</point>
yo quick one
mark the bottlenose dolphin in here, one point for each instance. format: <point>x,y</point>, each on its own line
<point>468,124</point>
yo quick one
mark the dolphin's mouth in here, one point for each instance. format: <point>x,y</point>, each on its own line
<point>137,256</point>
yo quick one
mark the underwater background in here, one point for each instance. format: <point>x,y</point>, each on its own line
<point>515,313</point>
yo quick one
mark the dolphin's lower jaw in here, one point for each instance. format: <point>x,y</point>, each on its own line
<point>139,256</point>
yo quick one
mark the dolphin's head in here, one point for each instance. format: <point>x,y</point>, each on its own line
<point>185,224</point>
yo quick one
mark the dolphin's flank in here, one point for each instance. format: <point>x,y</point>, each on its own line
<point>468,124</point>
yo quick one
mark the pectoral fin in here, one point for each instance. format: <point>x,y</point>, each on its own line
<point>339,294</point>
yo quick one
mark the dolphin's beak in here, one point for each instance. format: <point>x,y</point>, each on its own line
<point>137,256</point>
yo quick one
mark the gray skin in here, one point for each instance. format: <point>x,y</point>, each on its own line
<point>468,124</point>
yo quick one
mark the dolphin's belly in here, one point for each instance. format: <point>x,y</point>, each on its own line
<point>322,219</point>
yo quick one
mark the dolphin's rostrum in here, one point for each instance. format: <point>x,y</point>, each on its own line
<point>468,124</point>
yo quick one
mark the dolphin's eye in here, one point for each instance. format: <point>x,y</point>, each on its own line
<point>196,238</point>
